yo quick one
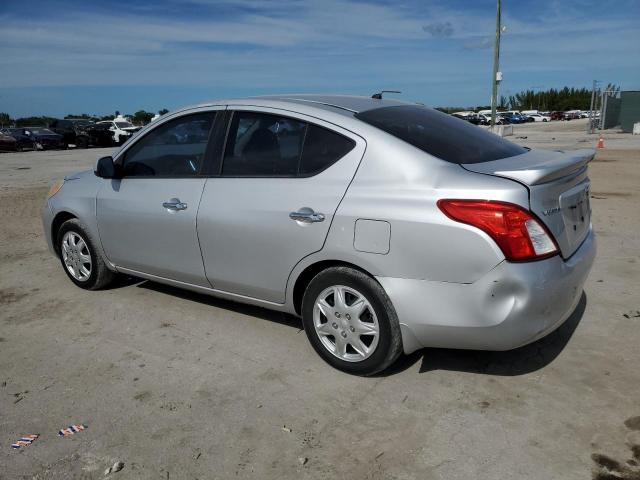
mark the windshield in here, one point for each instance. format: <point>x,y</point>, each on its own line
<point>41,131</point>
<point>123,125</point>
<point>441,135</point>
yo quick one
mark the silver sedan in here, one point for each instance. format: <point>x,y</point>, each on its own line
<point>386,226</point>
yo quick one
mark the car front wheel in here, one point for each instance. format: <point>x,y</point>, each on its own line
<point>80,260</point>
<point>350,321</point>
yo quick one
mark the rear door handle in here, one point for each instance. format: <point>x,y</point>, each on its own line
<point>174,205</point>
<point>306,215</point>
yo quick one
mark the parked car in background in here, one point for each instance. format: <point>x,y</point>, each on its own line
<point>7,143</point>
<point>536,117</point>
<point>471,118</point>
<point>486,119</point>
<point>23,141</point>
<point>571,115</point>
<point>81,133</point>
<point>557,115</point>
<point>463,240</point>
<point>122,130</point>
<point>512,117</point>
<point>45,139</point>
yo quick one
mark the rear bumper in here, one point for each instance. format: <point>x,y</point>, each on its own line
<point>512,305</point>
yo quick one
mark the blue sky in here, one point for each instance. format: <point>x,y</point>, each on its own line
<point>75,56</point>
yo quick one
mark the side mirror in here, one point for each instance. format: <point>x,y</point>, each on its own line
<point>105,168</point>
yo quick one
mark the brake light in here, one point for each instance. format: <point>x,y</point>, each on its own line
<point>518,233</point>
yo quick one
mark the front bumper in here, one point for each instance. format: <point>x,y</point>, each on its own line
<point>512,305</point>
<point>47,221</point>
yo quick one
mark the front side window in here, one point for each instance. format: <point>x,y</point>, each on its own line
<point>174,149</point>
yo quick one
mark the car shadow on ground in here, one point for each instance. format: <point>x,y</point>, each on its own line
<point>244,309</point>
<point>519,361</point>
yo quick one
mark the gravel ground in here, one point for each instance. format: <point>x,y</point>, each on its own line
<point>179,385</point>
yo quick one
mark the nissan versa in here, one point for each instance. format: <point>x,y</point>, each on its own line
<point>387,226</point>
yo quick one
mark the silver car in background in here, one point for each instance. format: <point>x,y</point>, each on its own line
<point>386,226</point>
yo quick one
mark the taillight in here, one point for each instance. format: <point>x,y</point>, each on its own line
<point>518,233</point>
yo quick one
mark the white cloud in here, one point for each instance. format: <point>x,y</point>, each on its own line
<point>301,43</point>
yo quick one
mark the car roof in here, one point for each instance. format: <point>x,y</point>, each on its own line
<point>343,104</point>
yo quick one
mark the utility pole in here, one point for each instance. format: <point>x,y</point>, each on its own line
<point>496,62</point>
<point>591,108</point>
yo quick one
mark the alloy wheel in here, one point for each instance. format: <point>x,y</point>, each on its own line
<point>346,323</point>
<point>76,256</point>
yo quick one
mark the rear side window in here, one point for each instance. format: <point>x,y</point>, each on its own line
<point>440,135</point>
<point>263,145</point>
<point>322,148</point>
<point>266,145</point>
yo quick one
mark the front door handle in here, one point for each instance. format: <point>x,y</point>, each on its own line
<point>174,205</point>
<point>306,215</point>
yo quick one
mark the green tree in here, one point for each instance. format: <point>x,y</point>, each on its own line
<point>142,117</point>
<point>34,121</point>
<point>554,99</point>
<point>5,119</point>
<point>84,116</point>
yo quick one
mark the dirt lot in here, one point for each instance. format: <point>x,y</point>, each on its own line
<point>178,385</point>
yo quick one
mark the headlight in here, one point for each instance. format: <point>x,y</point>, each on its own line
<point>55,188</point>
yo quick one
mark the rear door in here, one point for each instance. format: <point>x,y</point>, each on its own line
<point>147,218</point>
<point>272,199</point>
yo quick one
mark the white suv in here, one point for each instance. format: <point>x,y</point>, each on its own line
<point>121,129</point>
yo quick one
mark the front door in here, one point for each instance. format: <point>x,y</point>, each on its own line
<point>272,203</point>
<point>147,218</point>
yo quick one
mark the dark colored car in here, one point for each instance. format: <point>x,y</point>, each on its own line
<point>512,118</point>
<point>23,141</point>
<point>571,115</point>
<point>45,139</point>
<point>82,133</point>
<point>7,143</point>
<point>474,119</point>
<point>557,115</point>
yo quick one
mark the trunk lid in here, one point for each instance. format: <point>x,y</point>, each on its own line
<point>558,190</point>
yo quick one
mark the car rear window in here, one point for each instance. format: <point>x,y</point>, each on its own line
<point>440,135</point>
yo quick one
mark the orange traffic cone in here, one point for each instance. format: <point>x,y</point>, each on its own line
<point>600,142</point>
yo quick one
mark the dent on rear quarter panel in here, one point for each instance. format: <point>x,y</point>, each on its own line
<point>424,243</point>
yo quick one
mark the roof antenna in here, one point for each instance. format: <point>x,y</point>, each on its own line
<point>378,96</point>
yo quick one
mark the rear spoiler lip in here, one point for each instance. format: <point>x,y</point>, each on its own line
<point>536,166</point>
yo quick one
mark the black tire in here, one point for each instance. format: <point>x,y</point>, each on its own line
<point>389,345</point>
<point>100,275</point>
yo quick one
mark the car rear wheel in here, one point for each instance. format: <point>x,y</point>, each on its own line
<point>80,260</point>
<point>350,321</point>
